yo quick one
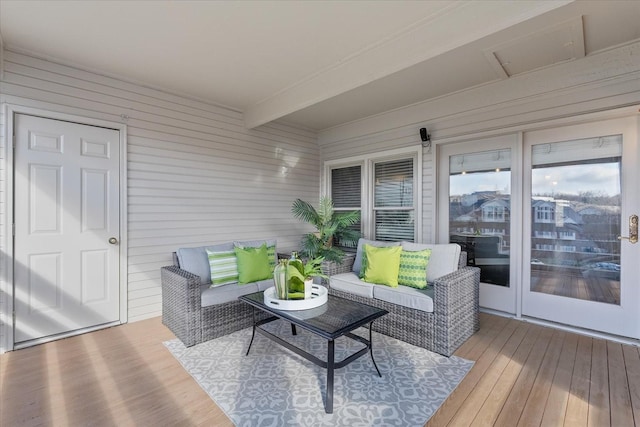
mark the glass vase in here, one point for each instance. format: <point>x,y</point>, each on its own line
<point>280,279</point>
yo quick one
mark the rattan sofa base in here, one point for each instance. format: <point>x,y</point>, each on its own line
<point>454,319</point>
<point>191,323</point>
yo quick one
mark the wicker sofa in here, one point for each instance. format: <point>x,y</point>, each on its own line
<point>193,310</point>
<point>446,313</point>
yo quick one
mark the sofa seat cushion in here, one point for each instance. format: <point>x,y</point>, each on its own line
<point>264,284</point>
<point>225,293</point>
<point>443,260</point>
<point>351,283</point>
<point>418,299</point>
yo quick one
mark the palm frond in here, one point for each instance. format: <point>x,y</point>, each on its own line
<point>304,211</point>
<point>325,210</point>
<point>330,225</point>
<point>346,219</point>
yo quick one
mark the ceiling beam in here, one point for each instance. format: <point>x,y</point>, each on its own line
<point>453,26</point>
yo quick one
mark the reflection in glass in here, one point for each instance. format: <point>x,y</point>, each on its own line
<point>575,221</point>
<point>480,212</point>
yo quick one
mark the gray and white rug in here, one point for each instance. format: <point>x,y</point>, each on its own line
<point>275,387</point>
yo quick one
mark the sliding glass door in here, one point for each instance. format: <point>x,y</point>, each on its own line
<point>476,208</point>
<point>551,219</point>
<point>582,201</point>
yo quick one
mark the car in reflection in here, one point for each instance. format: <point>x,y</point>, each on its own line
<point>603,270</point>
<point>536,261</point>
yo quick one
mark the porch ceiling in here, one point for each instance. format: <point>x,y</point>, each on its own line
<point>317,64</point>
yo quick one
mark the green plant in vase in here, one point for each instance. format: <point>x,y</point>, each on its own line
<point>299,272</point>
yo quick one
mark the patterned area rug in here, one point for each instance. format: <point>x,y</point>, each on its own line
<point>275,387</point>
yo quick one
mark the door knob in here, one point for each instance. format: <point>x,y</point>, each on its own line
<point>113,240</point>
<point>633,230</point>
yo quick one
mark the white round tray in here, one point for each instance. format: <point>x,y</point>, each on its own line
<point>318,297</point>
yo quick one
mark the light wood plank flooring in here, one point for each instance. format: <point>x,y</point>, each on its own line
<point>524,374</point>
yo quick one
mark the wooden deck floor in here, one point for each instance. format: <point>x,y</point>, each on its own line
<point>576,285</point>
<point>524,375</point>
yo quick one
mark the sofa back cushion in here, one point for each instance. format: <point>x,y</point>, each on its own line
<point>196,261</point>
<point>443,260</point>
<point>357,264</point>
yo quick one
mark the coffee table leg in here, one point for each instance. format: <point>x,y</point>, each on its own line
<point>293,330</point>
<point>330,367</point>
<point>371,350</point>
<point>253,331</point>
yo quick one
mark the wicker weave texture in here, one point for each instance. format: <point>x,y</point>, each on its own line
<point>454,319</point>
<point>191,323</point>
<point>455,316</point>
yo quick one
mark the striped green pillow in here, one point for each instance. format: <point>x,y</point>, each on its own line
<point>413,268</point>
<point>224,267</point>
<point>271,254</point>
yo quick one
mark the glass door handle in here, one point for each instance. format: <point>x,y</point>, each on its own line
<point>633,230</point>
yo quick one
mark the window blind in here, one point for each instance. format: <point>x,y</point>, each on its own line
<point>394,200</point>
<point>346,187</point>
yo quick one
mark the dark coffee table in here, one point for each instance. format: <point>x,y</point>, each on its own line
<point>334,319</point>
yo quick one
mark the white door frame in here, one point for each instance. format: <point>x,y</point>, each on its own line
<point>6,281</point>
<point>493,297</point>
<point>619,319</point>
<point>574,119</point>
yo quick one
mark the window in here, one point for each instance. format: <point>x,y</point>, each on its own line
<point>480,205</point>
<point>394,201</point>
<point>493,213</point>
<point>545,213</point>
<point>346,192</point>
<point>384,188</point>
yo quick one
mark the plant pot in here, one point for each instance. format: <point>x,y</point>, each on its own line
<point>308,284</point>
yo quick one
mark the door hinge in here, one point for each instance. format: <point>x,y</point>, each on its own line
<point>13,229</point>
<point>14,141</point>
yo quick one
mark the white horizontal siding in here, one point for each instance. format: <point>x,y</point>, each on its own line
<point>196,175</point>
<point>599,82</point>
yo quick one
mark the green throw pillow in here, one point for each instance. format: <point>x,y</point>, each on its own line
<point>253,264</point>
<point>382,265</point>
<point>271,254</point>
<point>224,267</point>
<point>413,268</point>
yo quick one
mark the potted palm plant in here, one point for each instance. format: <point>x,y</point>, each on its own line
<point>331,226</point>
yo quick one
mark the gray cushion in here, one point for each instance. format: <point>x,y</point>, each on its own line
<point>226,293</point>
<point>350,282</point>
<point>419,299</point>
<point>196,261</point>
<point>264,284</point>
<point>254,243</point>
<point>357,264</point>
<point>444,258</point>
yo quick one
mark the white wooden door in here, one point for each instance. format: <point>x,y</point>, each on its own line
<point>66,244</point>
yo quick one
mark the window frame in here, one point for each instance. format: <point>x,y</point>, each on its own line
<point>367,163</point>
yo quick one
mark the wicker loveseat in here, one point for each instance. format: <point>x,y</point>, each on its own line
<point>446,313</point>
<point>193,310</point>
